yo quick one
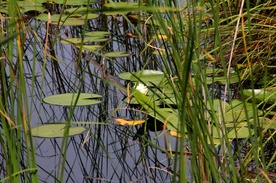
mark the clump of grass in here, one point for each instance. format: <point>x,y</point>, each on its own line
<point>190,37</point>
<point>19,160</point>
<point>217,34</point>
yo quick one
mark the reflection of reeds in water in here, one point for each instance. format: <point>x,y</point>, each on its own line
<point>108,153</point>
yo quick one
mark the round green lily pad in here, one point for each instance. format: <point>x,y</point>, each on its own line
<point>69,99</point>
<point>55,130</point>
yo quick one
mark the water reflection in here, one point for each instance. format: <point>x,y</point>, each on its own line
<point>107,152</point>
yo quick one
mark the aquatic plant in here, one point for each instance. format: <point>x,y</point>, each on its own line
<point>202,70</point>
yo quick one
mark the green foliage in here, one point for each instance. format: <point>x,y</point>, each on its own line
<point>188,57</point>
<point>55,130</point>
<point>73,99</point>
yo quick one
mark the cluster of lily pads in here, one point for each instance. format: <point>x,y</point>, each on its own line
<point>155,95</point>
<point>152,89</point>
<point>56,130</point>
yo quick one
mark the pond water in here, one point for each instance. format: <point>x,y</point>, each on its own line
<point>55,63</point>
<point>106,152</point>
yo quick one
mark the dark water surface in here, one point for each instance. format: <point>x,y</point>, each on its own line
<point>107,152</point>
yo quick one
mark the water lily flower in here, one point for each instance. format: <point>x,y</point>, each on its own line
<point>142,88</point>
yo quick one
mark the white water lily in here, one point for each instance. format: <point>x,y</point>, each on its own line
<point>142,88</point>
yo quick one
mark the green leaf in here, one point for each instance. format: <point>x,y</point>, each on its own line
<point>125,75</point>
<point>233,78</point>
<point>73,2</point>
<point>261,95</point>
<point>266,123</point>
<point>55,130</point>
<point>117,54</point>
<point>97,34</point>
<point>91,48</point>
<point>69,99</point>
<point>145,76</point>
<point>148,77</point>
<point>81,10</point>
<point>170,119</point>
<point>85,40</point>
<point>240,133</point>
<point>117,5</point>
<point>66,20</point>
<point>121,7</point>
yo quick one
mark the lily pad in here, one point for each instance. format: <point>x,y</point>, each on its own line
<point>85,40</point>
<point>90,47</point>
<point>266,123</point>
<point>69,20</point>
<point>81,10</point>
<point>261,95</point>
<point>145,76</point>
<point>125,75</point>
<point>148,77</point>
<point>72,2</point>
<point>233,78</point>
<point>117,54</point>
<point>121,7</point>
<point>240,133</point>
<point>170,119</point>
<point>69,99</point>
<point>97,33</point>
<point>55,130</point>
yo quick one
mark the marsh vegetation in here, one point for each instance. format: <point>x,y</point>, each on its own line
<point>139,91</point>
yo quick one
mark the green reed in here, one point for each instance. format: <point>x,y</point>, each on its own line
<point>199,34</point>
<point>16,141</point>
<point>202,34</point>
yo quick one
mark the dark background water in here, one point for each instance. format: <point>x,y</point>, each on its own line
<point>107,152</point>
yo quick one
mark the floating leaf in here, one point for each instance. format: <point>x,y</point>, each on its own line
<point>161,52</point>
<point>160,36</point>
<point>85,40</point>
<point>125,75</point>
<point>72,2</point>
<point>233,78</point>
<point>124,122</point>
<point>117,54</point>
<point>121,7</point>
<point>237,111</point>
<point>80,10</point>
<point>170,119</point>
<point>261,95</point>
<point>29,9</point>
<point>174,133</point>
<point>55,130</point>
<point>69,20</point>
<point>91,48</point>
<point>240,133</point>
<point>30,6</point>
<point>118,5</point>
<point>148,77</point>
<point>265,123</point>
<point>69,99</point>
<point>90,16</point>
<point>97,33</point>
